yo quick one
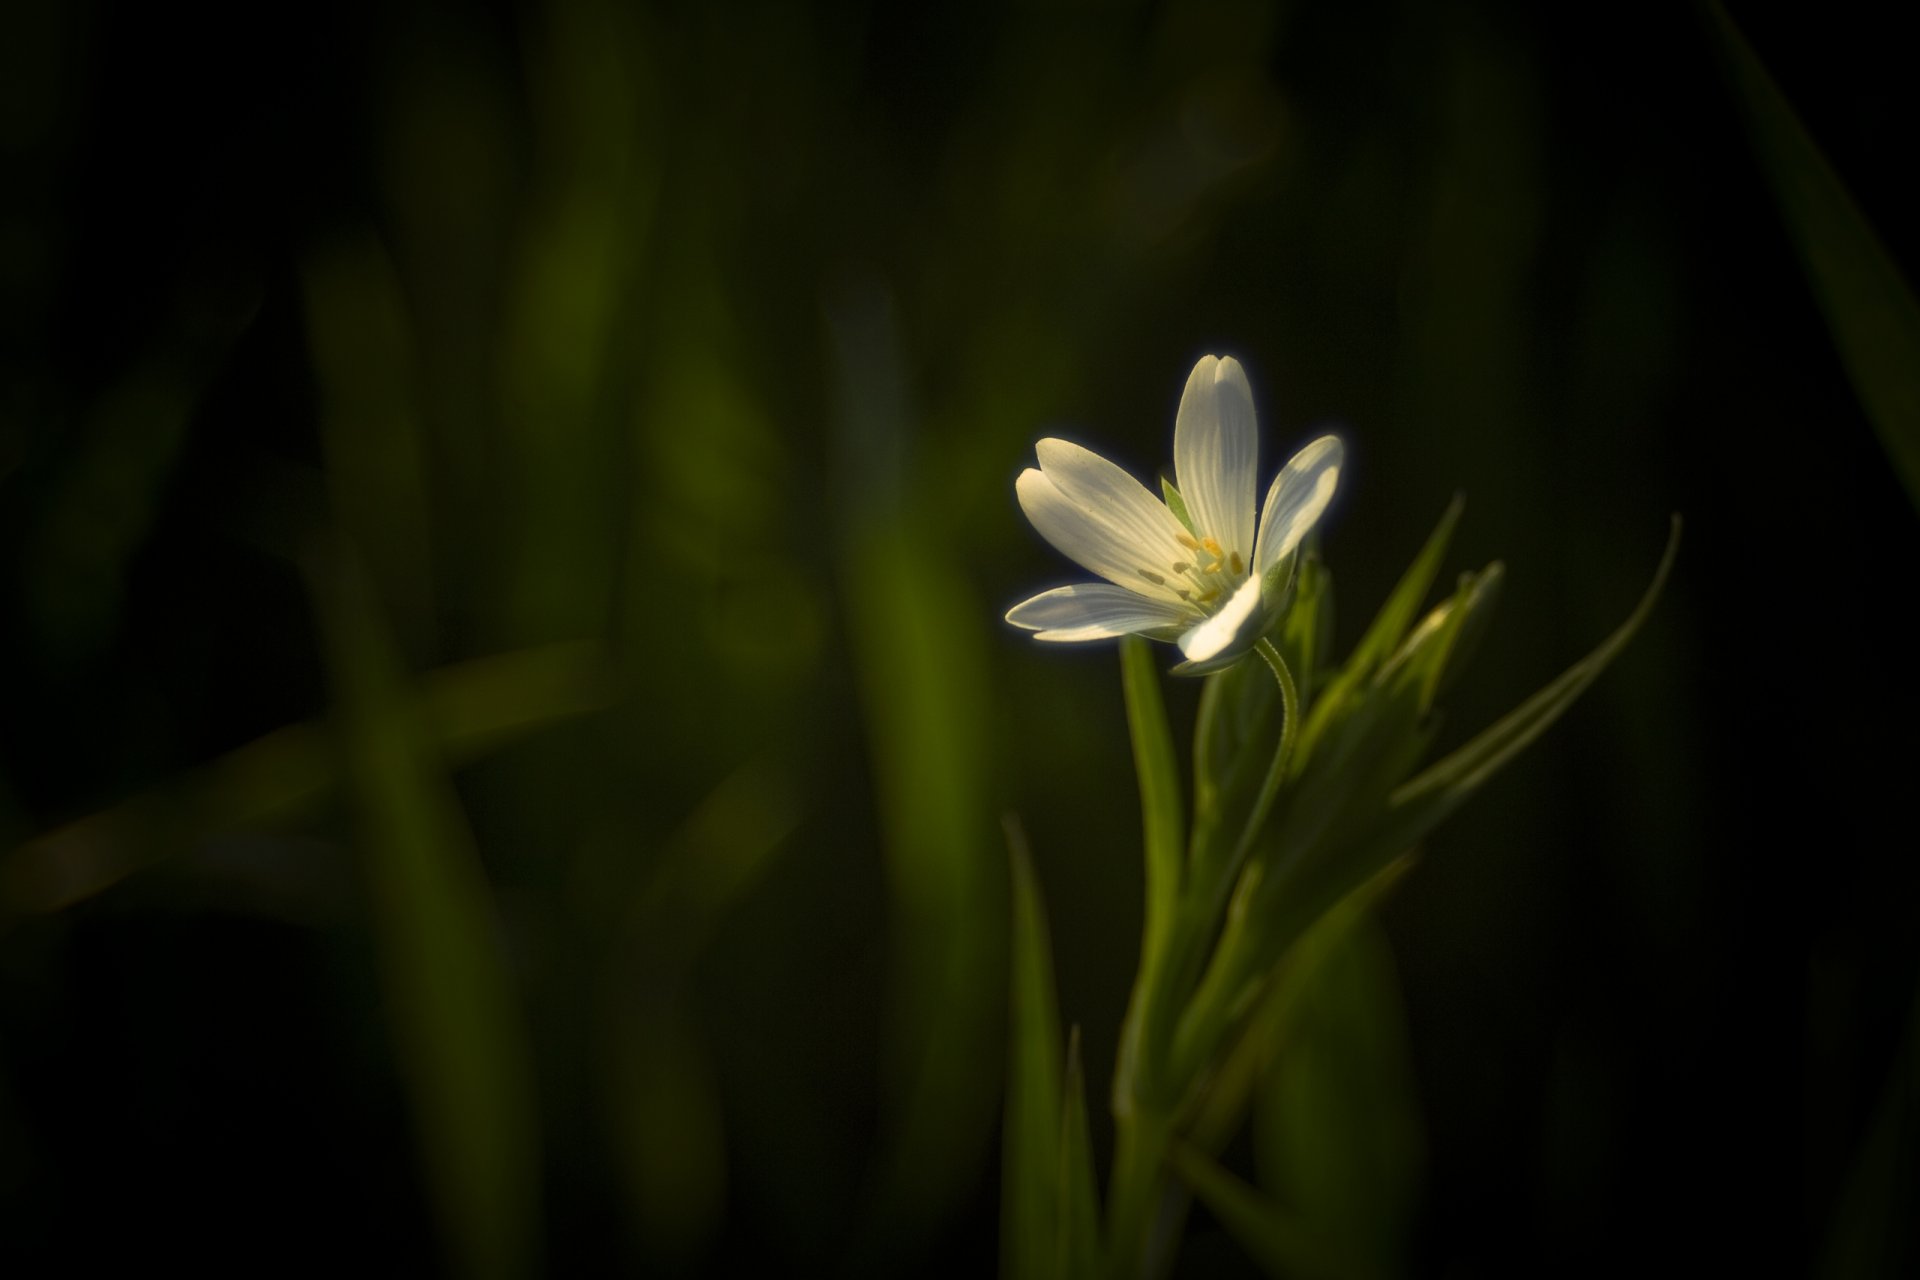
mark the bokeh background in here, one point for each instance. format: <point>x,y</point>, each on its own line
<point>505,515</point>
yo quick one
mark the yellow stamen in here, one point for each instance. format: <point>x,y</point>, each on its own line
<point>1213,547</point>
<point>1186,541</point>
<point>1239,565</point>
<point>1208,595</point>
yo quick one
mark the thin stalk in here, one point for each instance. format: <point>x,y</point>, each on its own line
<point>1143,1122</point>
<point>1282,757</point>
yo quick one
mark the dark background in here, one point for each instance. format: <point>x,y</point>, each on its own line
<point>716,335</point>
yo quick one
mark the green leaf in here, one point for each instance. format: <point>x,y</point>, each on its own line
<point>463,1051</point>
<point>1031,1159</point>
<point>1343,790</point>
<point>1337,1131</point>
<point>1161,820</point>
<point>1870,309</point>
<point>1426,799</point>
<point>1429,652</point>
<point>1479,595</point>
<point>1386,632</point>
<point>1307,625</point>
<point>1328,841</point>
<point>1234,736</point>
<point>1079,1203</point>
<point>1222,1105</point>
<point>1417,807</point>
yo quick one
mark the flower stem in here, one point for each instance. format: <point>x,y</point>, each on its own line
<point>1205,1017</point>
<point>1145,1120</point>
<point>1282,756</point>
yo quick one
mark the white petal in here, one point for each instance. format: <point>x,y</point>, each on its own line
<point>1297,500</point>
<point>1094,611</point>
<point>1108,494</point>
<point>1093,539</point>
<point>1216,453</point>
<point>1236,627</point>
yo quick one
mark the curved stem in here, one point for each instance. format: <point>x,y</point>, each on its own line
<point>1282,756</point>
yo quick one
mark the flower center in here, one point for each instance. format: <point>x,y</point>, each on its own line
<point>1212,572</point>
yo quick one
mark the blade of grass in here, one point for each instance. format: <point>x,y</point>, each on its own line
<point>463,1052</point>
<point>1079,1202</point>
<point>468,708</point>
<point>1032,1147</point>
<point>919,644</point>
<point>1870,309</point>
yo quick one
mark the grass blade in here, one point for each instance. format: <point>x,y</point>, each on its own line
<point>1079,1202</point>
<point>1031,1149</point>
<point>463,1052</point>
<point>1869,308</point>
<point>468,709</point>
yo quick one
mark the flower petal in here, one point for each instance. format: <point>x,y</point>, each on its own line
<point>1095,611</point>
<point>1216,453</point>
<point>1110,496</point>
<point>1092,538</point>
<point>1297,500</point>
<point>1230,632</point>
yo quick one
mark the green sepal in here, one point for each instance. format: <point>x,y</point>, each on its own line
<point>1176,504</point>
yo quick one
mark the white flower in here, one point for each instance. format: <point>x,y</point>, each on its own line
<point>1200,587</point>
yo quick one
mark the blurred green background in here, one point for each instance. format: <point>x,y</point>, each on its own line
<point>505,515</point>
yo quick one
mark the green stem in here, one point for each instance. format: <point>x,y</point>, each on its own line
<point>1205,1007</point>
<point>1144,1123</point>
<point>1282,757</point>
<point>1139,1166</point>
